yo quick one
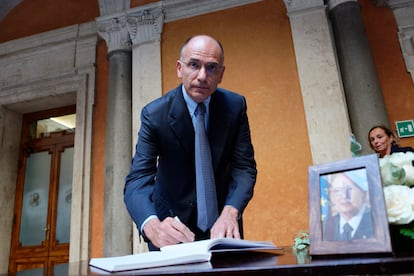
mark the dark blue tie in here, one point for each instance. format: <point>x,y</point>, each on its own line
<point>207,210</point>
<point>347,234</point>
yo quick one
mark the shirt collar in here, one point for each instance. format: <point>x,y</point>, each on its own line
<point>354,221</point>
<point>191,104</point>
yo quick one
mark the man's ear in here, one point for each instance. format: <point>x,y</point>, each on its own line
<point>179,68</point>
<point>221,74</point>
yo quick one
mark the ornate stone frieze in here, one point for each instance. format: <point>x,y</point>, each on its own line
<point>145,23</point>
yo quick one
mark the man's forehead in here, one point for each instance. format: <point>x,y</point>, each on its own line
<point>341,179</point>
<point>202,49</point>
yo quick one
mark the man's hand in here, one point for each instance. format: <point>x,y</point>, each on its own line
<point>169,231</point>
<point>226,225</point>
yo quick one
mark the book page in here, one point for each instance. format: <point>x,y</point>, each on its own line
<point>225,245</point>
<point>196,247</point>
<point>184,253</point>
<point>219,245</point>
<point>148,260</point>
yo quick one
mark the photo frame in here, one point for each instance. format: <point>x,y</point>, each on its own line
<point>348,190</point>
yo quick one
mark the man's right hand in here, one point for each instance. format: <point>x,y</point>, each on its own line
<point>169,231</point>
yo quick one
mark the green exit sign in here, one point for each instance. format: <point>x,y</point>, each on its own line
<point>405,128</point>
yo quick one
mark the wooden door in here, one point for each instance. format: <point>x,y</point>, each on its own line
<point>41,226</point>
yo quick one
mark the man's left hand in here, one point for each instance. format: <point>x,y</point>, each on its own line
<point>226,226</point>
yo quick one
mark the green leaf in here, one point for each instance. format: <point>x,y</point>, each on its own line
<point>407,232</point>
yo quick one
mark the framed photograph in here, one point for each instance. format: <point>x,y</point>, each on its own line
<point>347,210</point>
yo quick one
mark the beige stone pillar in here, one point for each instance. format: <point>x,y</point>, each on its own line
<point>145,30</point>
<point>323,99</point>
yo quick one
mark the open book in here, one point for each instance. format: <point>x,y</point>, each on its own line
<point>178,254</point>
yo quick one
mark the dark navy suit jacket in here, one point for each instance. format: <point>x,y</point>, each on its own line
<point>396,148</point>
<point>365,228</point>
<point>162,177</point>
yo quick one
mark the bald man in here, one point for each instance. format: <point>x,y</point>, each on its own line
<point>160,190</point>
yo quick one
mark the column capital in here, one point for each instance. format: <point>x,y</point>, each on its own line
<point>114,31</point>
<point>145,25</point>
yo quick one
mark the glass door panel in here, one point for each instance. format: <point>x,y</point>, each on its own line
<point>35,199</point>
<point>64,196</point>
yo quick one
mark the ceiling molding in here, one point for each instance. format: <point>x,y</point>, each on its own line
<point>181,9</point>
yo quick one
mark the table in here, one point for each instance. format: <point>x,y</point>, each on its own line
<point>254,263</point>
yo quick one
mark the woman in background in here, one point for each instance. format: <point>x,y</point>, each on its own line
<point>383,141</point>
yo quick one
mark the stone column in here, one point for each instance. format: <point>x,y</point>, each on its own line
<point>145,27</point>
<point>323,99</point>
<point>117,222</point>
<point>362,90</point>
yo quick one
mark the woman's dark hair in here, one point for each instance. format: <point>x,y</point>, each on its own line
<point>387,131</point>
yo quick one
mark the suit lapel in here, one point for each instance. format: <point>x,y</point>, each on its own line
<point>180,122</point>
<point>219,125</point>
<point>365,229</point>
<point>182,126</point>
